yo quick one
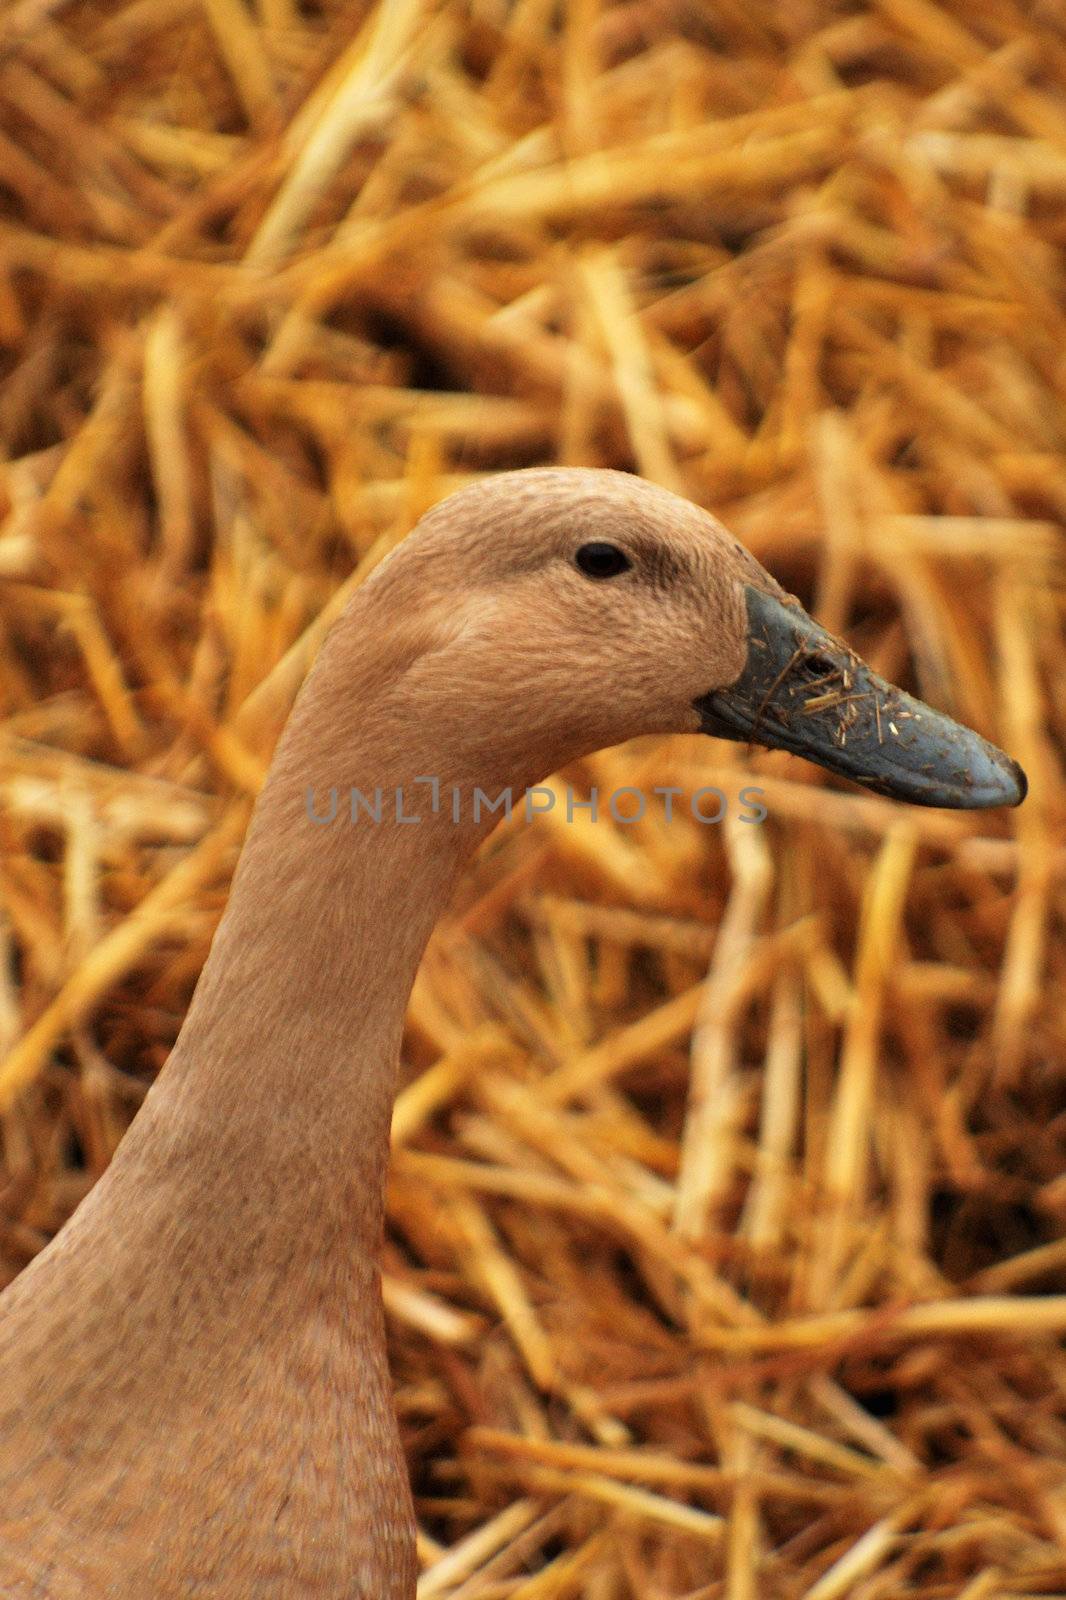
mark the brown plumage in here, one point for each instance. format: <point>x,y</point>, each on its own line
<point>194,1395</point>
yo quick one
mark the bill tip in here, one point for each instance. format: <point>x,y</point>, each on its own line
<point>1021,784</point>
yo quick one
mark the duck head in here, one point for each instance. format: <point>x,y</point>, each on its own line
<point>573,608</point>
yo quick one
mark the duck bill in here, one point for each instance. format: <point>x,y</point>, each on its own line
<point>804,690</point>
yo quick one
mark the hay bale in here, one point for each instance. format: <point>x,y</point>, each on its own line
<point>725,1224</point>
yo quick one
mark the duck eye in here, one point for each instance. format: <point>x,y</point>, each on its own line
<point>602,560</point>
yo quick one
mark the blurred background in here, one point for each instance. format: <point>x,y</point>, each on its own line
<point>725,1248</point>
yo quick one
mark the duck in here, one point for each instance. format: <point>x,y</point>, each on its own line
<point>194,1386</point>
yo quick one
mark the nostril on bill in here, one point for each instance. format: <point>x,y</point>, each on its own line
<point>816,665</point>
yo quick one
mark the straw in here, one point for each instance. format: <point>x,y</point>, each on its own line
<point>724,1253</point>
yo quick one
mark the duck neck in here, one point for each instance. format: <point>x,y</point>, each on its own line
<point>282,1081</point>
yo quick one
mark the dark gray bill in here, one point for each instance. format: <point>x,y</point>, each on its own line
<point>805,691</point>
